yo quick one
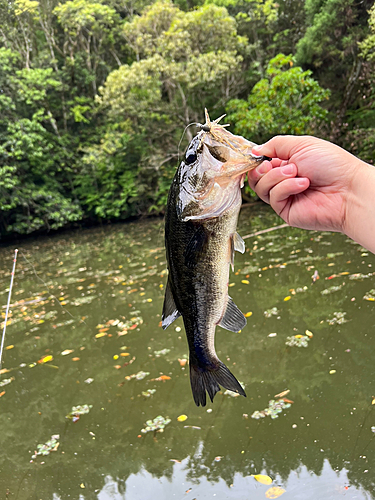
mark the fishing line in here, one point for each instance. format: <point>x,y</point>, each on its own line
<point>8,305</point>
<point>51,295</point>
<point>183,133</point>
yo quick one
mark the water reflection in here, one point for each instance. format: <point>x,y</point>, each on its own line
<point>92,301</point>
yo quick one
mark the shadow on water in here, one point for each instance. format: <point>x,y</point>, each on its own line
<point>92,320</point>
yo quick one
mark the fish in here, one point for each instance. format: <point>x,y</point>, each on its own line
<point>203,205</point>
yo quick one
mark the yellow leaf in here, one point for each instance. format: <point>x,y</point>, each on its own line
<point>116,356</point>
<point>287,298</point>
<point>124,354</point>
<point>101,334</point>
<point>274,492</point>
<point>309,334</point>
<point>245,282</point>
<point>182,418</point>
<point>82,485</point>
<point>45,359</point>
<point>9,347</point>
<point>373,401</point>
<point>299,336</point>
<point>332,372</point>
<point>369,298</point>
<point>248,314</point>
<point>261,478</point>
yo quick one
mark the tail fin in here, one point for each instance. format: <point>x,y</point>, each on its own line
<point>208,379</point>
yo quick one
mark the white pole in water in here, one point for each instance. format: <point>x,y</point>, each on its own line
<point>8,304</point>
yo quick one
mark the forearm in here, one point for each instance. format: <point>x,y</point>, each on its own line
<point>360,207</point>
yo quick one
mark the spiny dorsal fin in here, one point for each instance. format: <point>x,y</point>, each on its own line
<point>233,319</point>
<point>170,311</point>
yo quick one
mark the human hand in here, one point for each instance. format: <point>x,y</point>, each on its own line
<point>308,182</point>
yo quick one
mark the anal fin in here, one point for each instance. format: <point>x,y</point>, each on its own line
<point>233,319</point>
<point>170,311</point>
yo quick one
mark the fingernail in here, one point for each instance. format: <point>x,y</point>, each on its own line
<point>256,149</point>
<point>262,169</point>
<point>287,170</point>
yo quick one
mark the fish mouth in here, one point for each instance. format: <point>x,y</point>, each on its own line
<point>261,158</point>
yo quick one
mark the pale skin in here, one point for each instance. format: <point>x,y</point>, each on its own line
<point>314,184</point>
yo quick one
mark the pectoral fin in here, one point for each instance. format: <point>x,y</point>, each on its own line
<point>195,247</point>
<point>233,319</point>
<point>236,244</point>
<point>170,311</point>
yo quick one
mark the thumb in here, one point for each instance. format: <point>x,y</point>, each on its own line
<point>280,146</point>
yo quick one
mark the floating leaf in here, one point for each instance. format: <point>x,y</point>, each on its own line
<point>274,492</point>
<point>67,351</point>
<point>162,378</point>
<point>182,418</point>
<point>45,359</point>
<point>46,448</point>
<point>9,347</point>
<point>271,312</point>
<point>161,353</point>
<point>275,407</point>
<point>248,314</point>
<point>156,425</point>
<point>332,372</point>
<point>2,394</point>
<point>297,341</point>
<point>182,361</point>
<point>77,411</point>
<point>148,393</point>
<point>282,394</point>
<point>287,298</point>
<point>261,478</point>
<point>102,334</point>
<point>245,282</point>
<point>138,376</point>
<point>75,359</point>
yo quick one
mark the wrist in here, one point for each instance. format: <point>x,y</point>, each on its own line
<point>359,222</point>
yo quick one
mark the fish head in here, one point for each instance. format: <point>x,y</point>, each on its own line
<point>212,173</point>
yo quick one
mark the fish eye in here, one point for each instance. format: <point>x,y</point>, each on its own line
<point>190,158</point>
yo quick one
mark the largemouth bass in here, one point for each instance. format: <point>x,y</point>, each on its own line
<point>200,237</point>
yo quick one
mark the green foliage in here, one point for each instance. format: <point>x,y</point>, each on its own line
<point>286,102</point>
<point>94,95</point>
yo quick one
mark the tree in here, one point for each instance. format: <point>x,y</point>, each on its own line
<point>287,101</point>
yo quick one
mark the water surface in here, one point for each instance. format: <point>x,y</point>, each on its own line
<point>99,293</point>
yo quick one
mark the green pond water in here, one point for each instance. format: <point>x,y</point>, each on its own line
<point>86,311</point>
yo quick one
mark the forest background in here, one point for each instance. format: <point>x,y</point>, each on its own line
<point>94,95</point>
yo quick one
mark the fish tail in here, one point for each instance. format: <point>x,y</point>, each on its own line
<point>210,379</point>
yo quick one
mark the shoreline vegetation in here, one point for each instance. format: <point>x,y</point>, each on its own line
<point>95,95</point>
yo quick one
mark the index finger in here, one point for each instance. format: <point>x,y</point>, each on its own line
<point>281,146</point>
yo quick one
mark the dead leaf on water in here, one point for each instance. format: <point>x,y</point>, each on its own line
<point>45,359</point>
<point>262,478</point>
<point>2,394</point>
<point>182,418</point>
<point>274,492</point>
<point>162,378</point>
<point>102,334</point>
<point>182,361</point>
<point>67,351</point>
<point>282,394</point>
